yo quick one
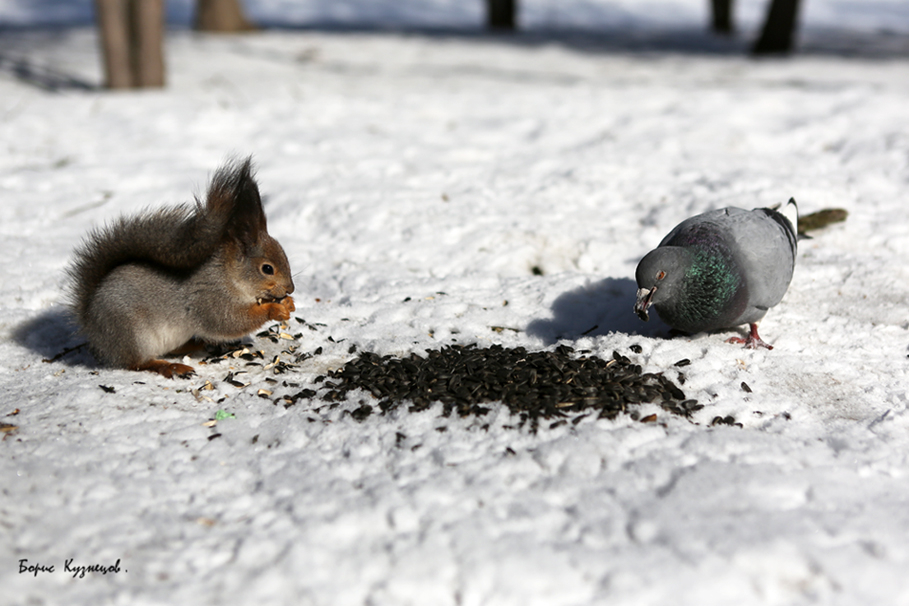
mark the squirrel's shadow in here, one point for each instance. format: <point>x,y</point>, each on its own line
<point>52,334</point>
<point>596,309</point>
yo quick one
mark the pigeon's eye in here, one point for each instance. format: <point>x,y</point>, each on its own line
<point>268,269</point>
<point>661,275</point>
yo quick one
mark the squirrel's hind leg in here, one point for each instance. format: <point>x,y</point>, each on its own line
<point>194,345</point>
<point>167,369</point>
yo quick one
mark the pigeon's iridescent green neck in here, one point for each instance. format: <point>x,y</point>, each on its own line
<point>710,291</point>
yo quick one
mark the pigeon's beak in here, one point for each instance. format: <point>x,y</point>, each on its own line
<point>645,296</point>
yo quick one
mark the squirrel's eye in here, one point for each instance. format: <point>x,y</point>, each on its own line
<point>268,269</point>
<point>661,275</point>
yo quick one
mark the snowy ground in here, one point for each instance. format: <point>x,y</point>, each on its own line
<point>442,168</point>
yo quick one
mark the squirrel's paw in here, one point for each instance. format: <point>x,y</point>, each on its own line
<point>167,369</point>
<point>280,310</point>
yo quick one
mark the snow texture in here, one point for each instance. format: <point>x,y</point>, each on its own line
<point>416,179</point>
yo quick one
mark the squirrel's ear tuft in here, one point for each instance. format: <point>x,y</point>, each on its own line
<point>233,199</point>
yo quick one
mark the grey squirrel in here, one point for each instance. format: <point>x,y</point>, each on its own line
<point>163,280</point>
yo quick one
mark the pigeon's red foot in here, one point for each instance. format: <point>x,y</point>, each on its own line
<point>752,341</point>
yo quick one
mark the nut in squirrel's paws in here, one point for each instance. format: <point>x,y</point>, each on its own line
<point>278,309</point>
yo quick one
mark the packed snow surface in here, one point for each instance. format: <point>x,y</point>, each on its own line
<point>437,187</point>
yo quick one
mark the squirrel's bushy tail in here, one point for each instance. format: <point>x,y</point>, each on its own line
<point>176,238</point>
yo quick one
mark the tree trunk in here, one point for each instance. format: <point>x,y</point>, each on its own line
<point>500,14</point>
<point>147,21</point>
<point>113,25</point>
<point>779,28</point>
<point>132,42</point>
<point>722,16</point>
<point>221,16</point>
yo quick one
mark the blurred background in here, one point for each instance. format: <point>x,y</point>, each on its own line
<point>748,15</point>
<point>131,31</point>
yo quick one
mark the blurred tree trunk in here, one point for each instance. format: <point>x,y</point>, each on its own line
<point>779,28</point>
<point>722,16</point>
<point>132,42</point>
<point>221,16</point>
<point>500,14</point>
<point>115,48</point>
<point>147,25</point>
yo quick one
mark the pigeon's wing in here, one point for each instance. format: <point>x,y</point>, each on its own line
<point>692,230</point>
<point>764,244</point>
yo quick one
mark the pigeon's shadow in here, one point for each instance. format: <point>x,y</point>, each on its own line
<point>596,309</point>
<point>52,335</point>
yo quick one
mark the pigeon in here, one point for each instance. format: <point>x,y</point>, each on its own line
<point>720,269</point>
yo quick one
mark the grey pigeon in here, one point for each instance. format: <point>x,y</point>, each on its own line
<point>720,269</point>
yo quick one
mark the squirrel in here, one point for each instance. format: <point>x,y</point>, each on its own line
<point>165,280</point>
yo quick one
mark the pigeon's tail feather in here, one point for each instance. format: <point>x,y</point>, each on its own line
<point>790,210</point>
<point>788,217</point>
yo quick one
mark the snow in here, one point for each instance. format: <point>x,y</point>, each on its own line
<point>415,179</point>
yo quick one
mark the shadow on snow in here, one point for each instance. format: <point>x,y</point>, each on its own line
<point>596,309</point>
<point>52,335</point>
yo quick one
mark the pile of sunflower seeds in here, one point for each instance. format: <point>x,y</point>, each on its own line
<point>534,386</point>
